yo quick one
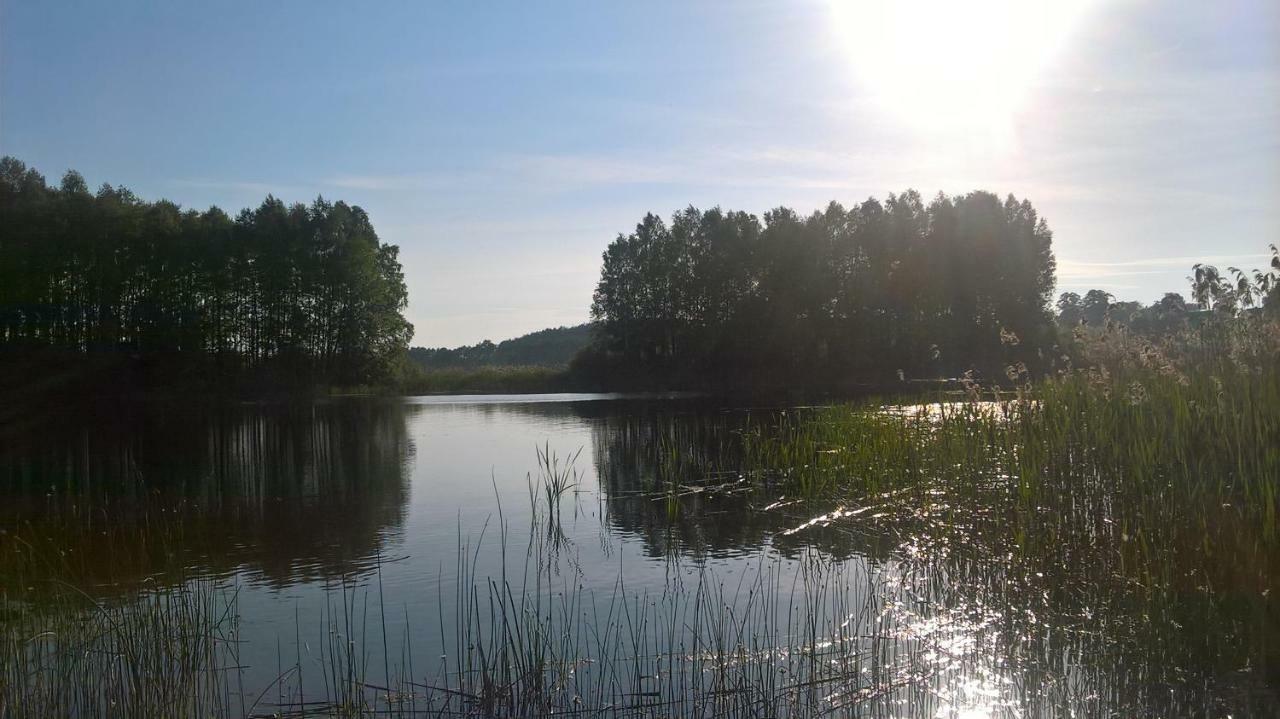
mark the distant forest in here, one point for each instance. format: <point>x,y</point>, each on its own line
<point>866,296</point>
<point>881,290</point>
<point>1214,294</point>
<point>291,292</point>
<point>305,295</point>
<point>553,348</point>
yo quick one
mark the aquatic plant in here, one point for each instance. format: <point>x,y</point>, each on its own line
<point>1099,542</point>
<point>163,653</point>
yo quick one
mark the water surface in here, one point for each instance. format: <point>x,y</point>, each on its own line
<point>402,504</point>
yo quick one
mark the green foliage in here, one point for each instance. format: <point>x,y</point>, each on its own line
<point>1216,296</point>
<point>305,291</point>
<point>1105,537</point>
<point>864,294</point>
<point>71,645</point>
<point>554,348</point>
<point>482,380</point>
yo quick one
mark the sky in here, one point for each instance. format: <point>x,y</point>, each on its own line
<point>502,146</point>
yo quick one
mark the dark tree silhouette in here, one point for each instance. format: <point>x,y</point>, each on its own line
<point>1216,297</point>
<point>307,290</point>
<point>841,296</point>
<point>552,348</point>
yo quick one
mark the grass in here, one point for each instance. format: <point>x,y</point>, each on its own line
<point>484,380</point>
<point>1139,501</point>
<point>1141,447</point>
<point>162,653</point>
<point>1100,542</point>
<point>555,480</point>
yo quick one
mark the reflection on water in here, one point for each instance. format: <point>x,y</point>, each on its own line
<point>674,480</point>
<point>278,494</point>
<point>926,609</point>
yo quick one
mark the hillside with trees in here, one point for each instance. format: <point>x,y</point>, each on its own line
<point>290,293</point>
<point>552,348</point>
<point>878,291</point>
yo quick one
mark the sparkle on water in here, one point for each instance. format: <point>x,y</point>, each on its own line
<point>911,599</point>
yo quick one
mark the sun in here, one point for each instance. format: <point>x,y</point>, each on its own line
<point>952,65</point>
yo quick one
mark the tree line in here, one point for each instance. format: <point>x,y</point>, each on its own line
<point>1215,295</point>
<point>878,291</point>
<point>552,348</point>
<point>303,290</point>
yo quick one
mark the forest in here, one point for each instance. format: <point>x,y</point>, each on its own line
<point>296,295</point>
<point>1214,294</point>
<point>881,290</point>
<point>293,293</point>
<point>553,348</point>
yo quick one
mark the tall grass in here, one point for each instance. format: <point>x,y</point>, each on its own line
<point>164,653</point>
<point>481,380</point>
<point>1144,447</point>
<point>555,479</point>
<point>1140,502</point>
<point>1097,543</point>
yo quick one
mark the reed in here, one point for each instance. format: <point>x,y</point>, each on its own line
<point>1100,541</point>
<point>483,380</point>
<point>164,653</point>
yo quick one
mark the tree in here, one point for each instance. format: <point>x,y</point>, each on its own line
<point>1094,307</point>
<point>307,292</point>
<point>1268,282</point>
<point>842,295</point>
<point>1070,309</point>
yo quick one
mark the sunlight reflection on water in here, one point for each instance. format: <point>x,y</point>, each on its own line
<point>926,599</point>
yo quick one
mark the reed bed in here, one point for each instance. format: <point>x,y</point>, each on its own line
<point>512,379</point>
<point>1098,543</point>
<point>164,653</point>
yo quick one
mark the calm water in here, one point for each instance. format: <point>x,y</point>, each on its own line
<point>301,507</point>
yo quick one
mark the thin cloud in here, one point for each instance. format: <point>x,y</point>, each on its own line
<point>259,188</point>
<point>1097,286</point>
<point>1183,261</point>
<point>388,182</point>
<point>1075,275</point>
<point>373,183</point>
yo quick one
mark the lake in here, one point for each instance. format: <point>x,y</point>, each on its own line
<point>396,542</point>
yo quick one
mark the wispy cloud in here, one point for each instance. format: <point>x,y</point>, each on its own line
<point>791,168</point>
<point>589,169</point>
<point>390,182</point>
<point>1187,261</point>
<point>1126,274</point>
<point>349,181</point>
<point>1096,286</point>
<point>258,188</point>
<point>1155,264</point>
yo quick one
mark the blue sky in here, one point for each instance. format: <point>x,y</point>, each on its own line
<point>503,146</point>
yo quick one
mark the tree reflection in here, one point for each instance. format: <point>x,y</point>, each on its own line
<point>279,493</point>
<point>1027,626</point>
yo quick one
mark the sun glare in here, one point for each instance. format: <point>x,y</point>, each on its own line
<point>944,65</point>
